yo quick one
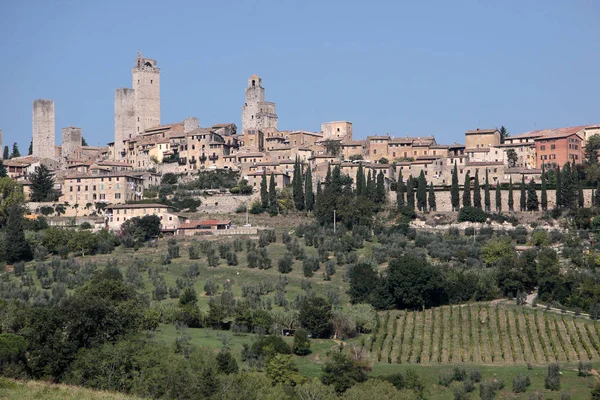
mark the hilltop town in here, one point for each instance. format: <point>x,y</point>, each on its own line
<point>144,150</point>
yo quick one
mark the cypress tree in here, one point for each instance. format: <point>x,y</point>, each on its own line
<point>511,200</point>
<point>544,190</point>
<point>467,191</point>
<point>580,199</point>
<point>264,192</point>
<point>454,190</point>
<point>297,186</point>
<point>559,199</point>
<point>30,152</point>
<point>400,189</point>
<point>532,198</point>
<point>422,192</point>
<point>431,199</point>
<point>498,199</point>
<point>15,151</point>
<point>523,199</point>
<point>15,246</point>
<point>410,196</point>
<point>6,154</point>
<point>273,208</point>
<point>380,189</point>
<point>476,192</point>
<point>360,181</point>
<point>487,201</point>
<point>568,187</point>
<point>596,201</point>
<point>318,197</point>
<point>3,173</point>
<point>370,187</point>
<point>308,190</point>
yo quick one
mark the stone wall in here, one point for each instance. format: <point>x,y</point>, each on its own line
<point>71,143</point>
<point>443,201</point>
<point>43,129</point>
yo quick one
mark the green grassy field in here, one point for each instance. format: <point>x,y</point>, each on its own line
<point>25,390</point>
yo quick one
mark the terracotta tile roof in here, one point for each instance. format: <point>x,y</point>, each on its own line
<point>561,133</point>
<point>209,222</point>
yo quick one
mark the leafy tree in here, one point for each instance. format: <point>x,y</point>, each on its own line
<point>6,155</point>
<point>454,190</point>
<point>591,150</point>
<point>503,134</point>
<point>264,192</point>
<point>363,278</point>
<point>471,214</point>
<point>410,196</point>
<point>169,179</point>
<point>281,369</point>
<point>142,229</point>
<point>552,380</point>
<point>383,160</point>
<point>523,199</point>
<point>431,198</point>
<point>42,185</point>
<point>414,283</point>
<point>498,199</point>
<point>15,151</point>
<point>226,362</point>
<point>467,191</point>
<point>11,193</point>
<point>512,158</point>
<point>544,190</point>
<point>273,209</point>
<point>16,248</point>
<point>308,190</point>
<point>342,372</point>
<point>532,198</point>
<point>84,142</point>
<point>422,192</point>
<point>476,192</point>
<point>400,190</point>
<point>497,249</point>
<point>301,342</point>
<point>315,316</point>
<point>332,147</point>
<point>486,199</point>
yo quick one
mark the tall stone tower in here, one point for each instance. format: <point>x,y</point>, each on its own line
<point>256,112</point>
<point>125,121</point>
<point>71,143</point>
<point>1,152</point>
<point>43,129</point>
<point>146,84</point>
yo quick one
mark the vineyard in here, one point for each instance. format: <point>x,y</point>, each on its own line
<point>483,333</point>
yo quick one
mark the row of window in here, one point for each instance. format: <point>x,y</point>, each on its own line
<point>93,188</point>
<point>552,147</point>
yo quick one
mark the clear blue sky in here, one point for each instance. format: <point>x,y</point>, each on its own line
<point>403,67</point>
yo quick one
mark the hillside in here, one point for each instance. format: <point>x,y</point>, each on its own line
<point>19,390</point>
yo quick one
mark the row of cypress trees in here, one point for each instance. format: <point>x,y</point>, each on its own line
<point>405,194</point>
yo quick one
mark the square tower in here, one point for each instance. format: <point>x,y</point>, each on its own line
<point>125,120</point>
<point>71,143</point>
<point>256,112</point>
<point>43,129</point>
<point>146,86</point>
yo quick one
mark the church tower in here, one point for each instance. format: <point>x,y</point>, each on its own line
<point>146,86</point>
<point>256,112</point>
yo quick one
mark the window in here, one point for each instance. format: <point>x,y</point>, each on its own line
<point>117,196</point>
<point>552,147</point>
<point>542,147</point>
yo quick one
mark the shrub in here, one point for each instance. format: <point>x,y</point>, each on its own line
<point>471,214</point>
<point>469,231</point>
<point>552,380</point>
<point>285,263</point>
<point>446,378</point>
<point>301,342</point>
<point>520,383</point>
<point>459,374</point>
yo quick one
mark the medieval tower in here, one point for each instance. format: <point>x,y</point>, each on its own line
<point>44,145</point>
<point>71,143</point>
<point>257,113</point>
<point>146,86</point>
<point>137,109</point>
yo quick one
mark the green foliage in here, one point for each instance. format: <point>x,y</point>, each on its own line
<point>315,316</point>
<point>496,250</point>
<point>467,191</point>
<point>552,379</point>
<point>471,214</point>
<point>141,229</point>
<point>226,362</point>
<point>281,369</point>
<point>476,192</point>
<point>215,179</point>
<point>342,372</point>
<point>532,198</point>
<point>169,179</point>
<point>301,342</point>
<point>422,192</point>
<point>454,190</point>
<point>16,248</point>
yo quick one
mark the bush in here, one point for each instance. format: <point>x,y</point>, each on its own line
<point>471,214</point>
<point>446,378</point>
<point>301,342</point>
<point>309,266</point>
<point>469,231</point>
<point>285,264</point>
<point>520,383</point>
<point>552,380</point>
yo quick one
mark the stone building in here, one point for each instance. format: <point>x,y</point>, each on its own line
<point>115,188</point>
<point>257,114</point>
<point>44,141</point>
<point>137,109</point>
<point>337,130</point>
<point>117,214</point>
<point>71,148</point>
